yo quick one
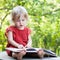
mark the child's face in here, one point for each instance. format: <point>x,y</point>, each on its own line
<point>21,22</point>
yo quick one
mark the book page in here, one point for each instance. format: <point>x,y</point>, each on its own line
<point>14,49</point>
<point>27,49</point>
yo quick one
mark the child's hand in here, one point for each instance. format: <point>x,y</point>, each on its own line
<point>20,46</point>
<point>28,46</point>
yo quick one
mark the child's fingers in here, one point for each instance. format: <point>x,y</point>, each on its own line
<point>20,46</point>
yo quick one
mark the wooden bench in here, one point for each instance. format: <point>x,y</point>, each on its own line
<point>4,56</point>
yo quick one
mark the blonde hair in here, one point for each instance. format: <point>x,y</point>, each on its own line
<point>17,11</point>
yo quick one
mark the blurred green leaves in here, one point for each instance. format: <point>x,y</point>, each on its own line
<point>44,21</point>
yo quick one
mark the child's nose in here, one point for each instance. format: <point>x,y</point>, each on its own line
<point>20,22</point>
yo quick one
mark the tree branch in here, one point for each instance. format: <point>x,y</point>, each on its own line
<point>51,12</point>
<point>4,19</point>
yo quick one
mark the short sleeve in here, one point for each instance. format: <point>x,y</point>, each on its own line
<point>8,29</point>
<point>29,31</point>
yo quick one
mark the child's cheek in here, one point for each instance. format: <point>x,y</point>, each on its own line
<point>18,24</point>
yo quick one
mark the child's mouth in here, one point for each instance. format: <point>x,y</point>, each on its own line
<point>21,25</point>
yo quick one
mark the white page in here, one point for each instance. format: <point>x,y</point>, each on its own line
<point>18,50</point>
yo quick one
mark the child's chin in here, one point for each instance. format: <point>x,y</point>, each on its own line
<point>21,28</point>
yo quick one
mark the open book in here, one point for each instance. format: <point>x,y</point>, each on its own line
<point>33,51</point>
<point>27,49</point>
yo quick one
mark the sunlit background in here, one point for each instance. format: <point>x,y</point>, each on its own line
<point>44,21</point>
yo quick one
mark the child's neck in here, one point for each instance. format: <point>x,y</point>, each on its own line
<point>21,28</point>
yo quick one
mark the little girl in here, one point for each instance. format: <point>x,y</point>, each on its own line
<point>18,35</point>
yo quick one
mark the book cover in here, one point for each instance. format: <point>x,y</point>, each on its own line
<point>33,51</point>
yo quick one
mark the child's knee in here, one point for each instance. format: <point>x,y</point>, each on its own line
<point>40,52</point>
<point>23,52</point>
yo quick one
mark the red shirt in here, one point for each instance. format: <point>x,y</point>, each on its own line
<point>19,36</point>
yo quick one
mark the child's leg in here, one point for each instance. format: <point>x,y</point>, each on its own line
<point>19,55</point>
<point>41,53</point>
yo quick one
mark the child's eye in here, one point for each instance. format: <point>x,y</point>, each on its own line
<point>22,19</point>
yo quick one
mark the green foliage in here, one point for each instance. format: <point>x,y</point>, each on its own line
<point>44,21</point>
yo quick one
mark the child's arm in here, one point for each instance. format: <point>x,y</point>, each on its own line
<point>11,41</point>
<point>29,44</point>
